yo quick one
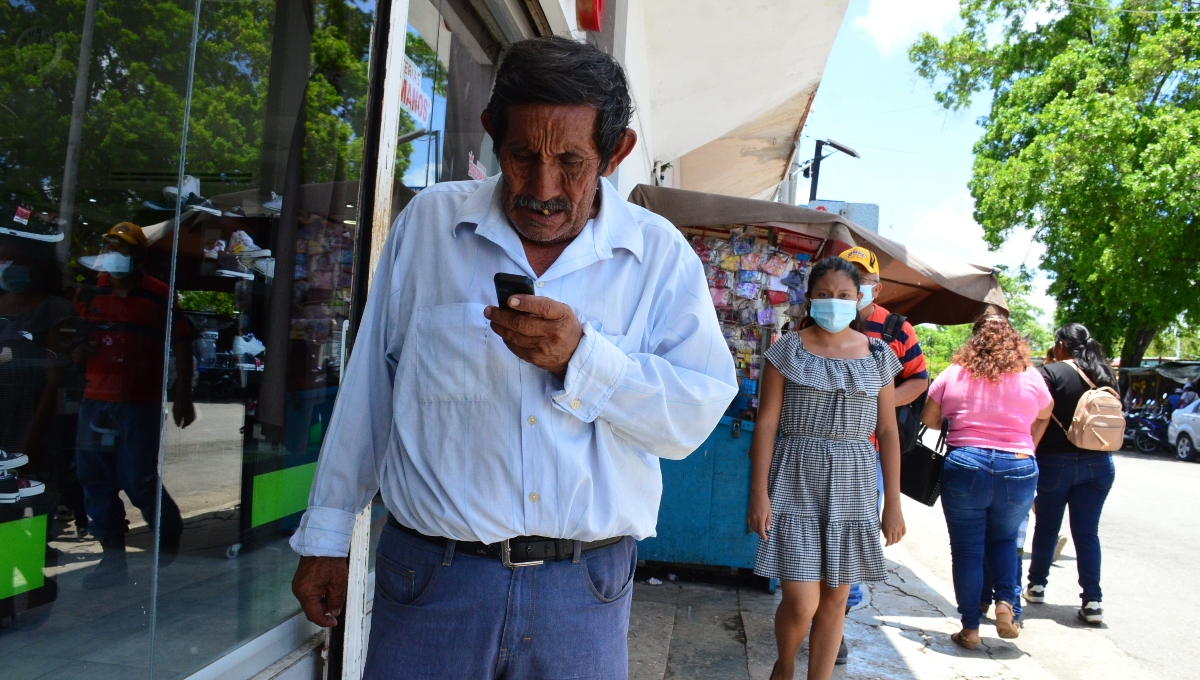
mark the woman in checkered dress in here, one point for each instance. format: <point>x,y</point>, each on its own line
<point>814,490</point>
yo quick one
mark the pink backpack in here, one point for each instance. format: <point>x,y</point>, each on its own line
<point>1098,424</point>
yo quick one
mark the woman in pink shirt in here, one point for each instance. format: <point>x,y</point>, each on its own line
<point>998,408</point>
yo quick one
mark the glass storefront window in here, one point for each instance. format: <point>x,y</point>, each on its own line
<point>259,242</point>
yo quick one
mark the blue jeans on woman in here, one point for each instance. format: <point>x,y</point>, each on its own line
<point>1080,481</point>
<point>985,495</point>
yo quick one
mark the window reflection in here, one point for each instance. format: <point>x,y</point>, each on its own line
<point>256,228</point>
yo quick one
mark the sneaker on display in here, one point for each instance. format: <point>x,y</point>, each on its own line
<point>191,185</point>
<point>9,460</point>
<point>230,267</point>
<point>1091,612</point>
<point>1035,594</point>
<point>241,245</point>
<point>248,344</point>
<point>275,204</point>
<point>29,487</point>
<point>10,489</point>
<point>40,227</point>
<point>195,202</point>
<point>213,248</point>
<point>264,266</point>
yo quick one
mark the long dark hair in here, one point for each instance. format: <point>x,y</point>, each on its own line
<point>1087,352</point>
<point>832,265</point>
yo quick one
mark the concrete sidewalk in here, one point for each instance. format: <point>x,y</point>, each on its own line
<point>713,632</point>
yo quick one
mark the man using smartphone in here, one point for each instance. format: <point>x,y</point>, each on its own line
<point>515,441</point>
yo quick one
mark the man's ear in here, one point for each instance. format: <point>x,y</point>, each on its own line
<point>624,148</point>
<point>486,121</point>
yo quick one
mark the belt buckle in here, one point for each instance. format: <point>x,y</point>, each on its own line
<point>506,557</point>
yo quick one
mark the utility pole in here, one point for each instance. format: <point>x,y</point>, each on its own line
<point>66,206</point>
<point>814,167</point>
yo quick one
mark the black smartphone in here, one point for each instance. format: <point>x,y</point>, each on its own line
<point>508,285</point>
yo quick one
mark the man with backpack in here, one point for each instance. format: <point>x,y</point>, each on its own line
<point>911,384</point>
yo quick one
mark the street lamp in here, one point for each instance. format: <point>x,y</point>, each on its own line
<point>813,168</point>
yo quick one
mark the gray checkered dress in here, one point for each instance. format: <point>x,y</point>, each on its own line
<point>824,482</point>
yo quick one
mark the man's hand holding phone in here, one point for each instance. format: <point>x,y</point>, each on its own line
<point>539,330</point>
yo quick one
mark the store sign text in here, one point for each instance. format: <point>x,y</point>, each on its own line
<point>412,98</point>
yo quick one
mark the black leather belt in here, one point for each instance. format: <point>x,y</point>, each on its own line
<point>519,551</point>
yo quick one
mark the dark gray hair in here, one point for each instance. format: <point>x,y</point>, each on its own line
<point>557,70</point>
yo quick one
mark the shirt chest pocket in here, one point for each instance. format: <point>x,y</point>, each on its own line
<point>452,361</point>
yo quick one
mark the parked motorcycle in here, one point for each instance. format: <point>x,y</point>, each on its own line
<point>1150,433</point>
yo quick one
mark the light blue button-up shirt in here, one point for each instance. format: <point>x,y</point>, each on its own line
<point>466,441</point>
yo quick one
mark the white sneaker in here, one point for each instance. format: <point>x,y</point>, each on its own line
<point>29,487</point>
<point>8,461</point>
<point>1035,594</point>
<point>241,245</point>
<point>275,204</point>
<point>247,344</point>
<point>1091,612</point>
<point>264,266</point>
<point>191,185</point>
<point>213,248</point>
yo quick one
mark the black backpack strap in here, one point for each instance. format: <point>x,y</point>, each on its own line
<point>892,326</point>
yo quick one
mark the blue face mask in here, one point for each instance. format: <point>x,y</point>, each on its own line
<point>868,295</point>
<point>833,315</point>
<point>14,278</point>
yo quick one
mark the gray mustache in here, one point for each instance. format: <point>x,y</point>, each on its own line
<point>530,203</point>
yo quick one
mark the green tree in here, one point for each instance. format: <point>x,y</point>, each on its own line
<point>1088,144</point>
<point>137,86</point>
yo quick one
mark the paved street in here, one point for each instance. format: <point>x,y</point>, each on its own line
<point>702,630</point>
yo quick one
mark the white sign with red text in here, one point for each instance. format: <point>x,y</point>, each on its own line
<point>412,98</point>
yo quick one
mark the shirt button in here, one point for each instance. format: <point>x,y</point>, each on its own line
<point>533,497</point>
<point>532,420</point>
<point>540,284</point>
<point>575,403</point>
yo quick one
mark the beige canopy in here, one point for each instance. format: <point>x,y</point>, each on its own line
<point>926,288</point>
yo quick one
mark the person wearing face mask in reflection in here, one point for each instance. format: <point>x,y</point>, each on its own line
<point>814,497</point>
<point>120,415</point>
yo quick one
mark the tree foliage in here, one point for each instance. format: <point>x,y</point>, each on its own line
<point>137,87</point>
<point>1090,145</point>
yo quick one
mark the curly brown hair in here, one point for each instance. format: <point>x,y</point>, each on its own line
<point>994,349</point>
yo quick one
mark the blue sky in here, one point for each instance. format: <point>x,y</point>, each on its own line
<point>916,157</point>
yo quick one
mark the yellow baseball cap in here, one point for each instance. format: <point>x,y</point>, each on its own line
<point>862,256</point>
<point>129,233</point>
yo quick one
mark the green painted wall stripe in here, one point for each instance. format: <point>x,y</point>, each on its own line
<point>23,556</point>
<point>281,493</point>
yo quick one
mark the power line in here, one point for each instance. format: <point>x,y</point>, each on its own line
<point>1121,10</point>
<point>873,115</point>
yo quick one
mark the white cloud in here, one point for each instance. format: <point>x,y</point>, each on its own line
<point>894,24</point>
<point>950,229</point>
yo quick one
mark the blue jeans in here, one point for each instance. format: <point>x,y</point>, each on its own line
<point>116,449</point>
<point>441,614</point>
<point>1082,482</point>
<point>985,495</point>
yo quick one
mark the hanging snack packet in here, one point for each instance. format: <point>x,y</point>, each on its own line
<point>777,264</point>
<point>742,245</point>
<point>747,276</point>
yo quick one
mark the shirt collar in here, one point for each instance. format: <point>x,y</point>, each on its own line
<point>614,226</point>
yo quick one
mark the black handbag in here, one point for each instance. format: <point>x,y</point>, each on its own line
<point>921,470</point>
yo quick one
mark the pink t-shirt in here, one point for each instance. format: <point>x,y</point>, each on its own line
<point>990,415</point>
